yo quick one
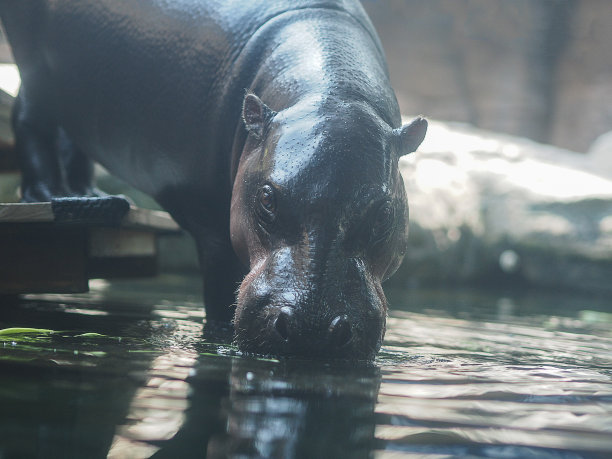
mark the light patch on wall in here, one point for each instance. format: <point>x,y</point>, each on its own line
<point>10,81</point>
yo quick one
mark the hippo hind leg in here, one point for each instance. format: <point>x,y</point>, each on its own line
<point>41,173</point>
<point>51,165</point>
<point>78,167</point>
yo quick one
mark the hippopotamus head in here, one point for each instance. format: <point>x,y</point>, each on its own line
<point>319,214</point>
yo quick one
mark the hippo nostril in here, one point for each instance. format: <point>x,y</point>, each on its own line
<point>281,323</point>
<point>340,331</point>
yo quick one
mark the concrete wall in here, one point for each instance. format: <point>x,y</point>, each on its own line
<point>535,68</point>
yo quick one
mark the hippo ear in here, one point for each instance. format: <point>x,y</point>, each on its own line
<point>256,115</point>
<point>411,135</point>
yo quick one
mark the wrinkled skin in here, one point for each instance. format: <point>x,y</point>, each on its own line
<point>290,189</point>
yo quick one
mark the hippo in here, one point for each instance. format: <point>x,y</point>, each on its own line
<point>268,130</point>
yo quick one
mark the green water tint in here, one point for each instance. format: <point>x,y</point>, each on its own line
<point>59,347</point>
<point>461,373</point>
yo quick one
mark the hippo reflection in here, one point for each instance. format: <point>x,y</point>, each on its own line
<point>267,409</point>
<point>294,183</point>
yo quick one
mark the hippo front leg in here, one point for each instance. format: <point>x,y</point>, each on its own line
<point>223,273</point>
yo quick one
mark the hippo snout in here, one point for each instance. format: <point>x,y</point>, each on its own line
<point>273,318</point>
<point>284,333</point>
<point>336,336</point>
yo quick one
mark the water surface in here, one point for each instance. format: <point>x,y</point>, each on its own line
<point>130,371</point>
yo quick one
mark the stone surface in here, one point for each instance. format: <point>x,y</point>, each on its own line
<point>493,208</point>
<point>600,154</point>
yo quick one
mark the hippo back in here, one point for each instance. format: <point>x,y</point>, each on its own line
<point>150,88</point>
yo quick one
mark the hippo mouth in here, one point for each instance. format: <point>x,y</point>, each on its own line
<point>339,345</point>
<point>307,332</point>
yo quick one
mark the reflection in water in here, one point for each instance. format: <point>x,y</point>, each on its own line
<point>480,376</point>
<point>281,411</point>
<point>253,408</point>
<point>157,410</point>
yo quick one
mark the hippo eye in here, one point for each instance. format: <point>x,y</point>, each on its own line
<point>266,204</point>
<point>383,222</point>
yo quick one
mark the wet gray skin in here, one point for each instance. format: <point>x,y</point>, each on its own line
<point>321,223</point>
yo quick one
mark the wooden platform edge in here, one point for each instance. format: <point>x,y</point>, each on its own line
<point>36,212</point>
<point>41,212</point>
<point>41,254</point>
<point>150,219</point>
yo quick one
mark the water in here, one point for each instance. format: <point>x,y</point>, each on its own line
<point>124,372</point>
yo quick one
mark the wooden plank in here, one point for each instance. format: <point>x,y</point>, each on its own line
<point>121,243</point>
<point>37,212</point>
<point>122,267</point>
<point>150,219</point>
<point>41,257</point>
<point>49,258</point>
<point>121,252</point>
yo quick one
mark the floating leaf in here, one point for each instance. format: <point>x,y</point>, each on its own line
<point>90,335</point>
<point>20,335</point>
<point>26,331</point>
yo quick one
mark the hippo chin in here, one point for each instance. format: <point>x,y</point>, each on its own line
<point>269,130</point>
